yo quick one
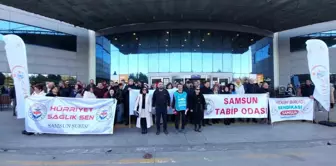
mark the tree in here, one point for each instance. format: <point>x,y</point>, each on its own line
<point>138,77</point>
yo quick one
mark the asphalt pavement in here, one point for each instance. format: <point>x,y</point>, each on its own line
<point>285,143</point>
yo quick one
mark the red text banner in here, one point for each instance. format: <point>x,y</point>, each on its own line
<point>236,106</point>
<point>70,115</point>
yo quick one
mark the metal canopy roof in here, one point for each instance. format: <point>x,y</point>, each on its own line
<point>272,15</point>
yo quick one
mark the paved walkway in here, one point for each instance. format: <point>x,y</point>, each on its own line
<point>237,134</point>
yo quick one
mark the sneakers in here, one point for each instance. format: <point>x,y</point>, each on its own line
<point>166,132</point>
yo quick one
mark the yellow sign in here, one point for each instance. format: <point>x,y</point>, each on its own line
<point>123,77</point>
<point>260,78</point>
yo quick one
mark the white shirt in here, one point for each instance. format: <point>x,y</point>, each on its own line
<point>240,89</point>
<point>88,95</point>
<point>39,94</point>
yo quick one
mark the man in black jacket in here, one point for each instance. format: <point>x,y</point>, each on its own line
<point>126,92</point>
<point>65,90</point>
<point>190,92</point>
<point>251,88</point>
<point>161,104</point>
<point>308,89</point>
<point>206,90</point>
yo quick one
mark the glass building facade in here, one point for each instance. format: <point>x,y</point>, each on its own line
<point>298,43</point>
<point>39,36</point>
<point>262,59</point>
<point>103,59</point>
<point>182,51</point>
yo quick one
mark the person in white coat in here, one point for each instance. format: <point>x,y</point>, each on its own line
<point>89,94</point>
<point>239,87</point>
<point>38,90</point>
<point>143,106</point>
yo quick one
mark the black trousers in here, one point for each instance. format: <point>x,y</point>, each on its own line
<point>143,123</point>
<point>205,121</point>
<point>161,112</point>
<point>178,116</point>
<point>126,111</point>
<point>189,117</point>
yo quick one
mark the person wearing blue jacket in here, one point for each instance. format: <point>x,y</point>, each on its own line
<point>180,107</point>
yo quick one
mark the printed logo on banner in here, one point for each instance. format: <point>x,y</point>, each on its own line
<point>104,114</point>
<point>210,106</point>
<point>37,111</point>
<point>320,72</point>
<point>18,73</point>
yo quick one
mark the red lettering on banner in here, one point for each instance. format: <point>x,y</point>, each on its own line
<point>289,112</point>
<point>86,117</point>
<point>263,110</point>
<point>62,117</point>
<point>66,109</point>
<point>241,100</point>
<point>70,109</point>
<point>73,109</point>
<point>53,108</point>
<point>253,111</point>
<point>226,111</point>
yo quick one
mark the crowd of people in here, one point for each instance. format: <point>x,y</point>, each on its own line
<point>188,102</point>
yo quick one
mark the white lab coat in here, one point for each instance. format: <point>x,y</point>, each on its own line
<point>239,89</point>
<point>148,110</point>
<point>88,95</point>
<point>39,94</point>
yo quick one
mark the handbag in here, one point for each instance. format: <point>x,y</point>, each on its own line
<point>136,113</point>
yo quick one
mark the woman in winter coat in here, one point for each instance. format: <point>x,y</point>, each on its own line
<point>232,88</point>
<point>197,106</point>
<point>226,90</point>
<point>38,90</point>
<point>77,92</point>
<point>290,91</point>
<point>111,94</point>
<point>216,91</point>
<point>143,107</point>
<point>53,92</point>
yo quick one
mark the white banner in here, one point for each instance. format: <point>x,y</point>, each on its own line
<point>318,62</point>
<point>70,115</point>
<point>292,108</point>
<point>236,106</point>
<point>17,60</point>
<point>135,92</point>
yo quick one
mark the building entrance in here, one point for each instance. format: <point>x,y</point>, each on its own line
<point>213,78</point>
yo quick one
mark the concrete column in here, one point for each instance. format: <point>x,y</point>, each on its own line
<point>92,55</point>
<point>276,59</point>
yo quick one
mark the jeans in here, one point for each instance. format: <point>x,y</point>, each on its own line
<point>177,119</point>
<point>120,111</point>
<point>161,112</point>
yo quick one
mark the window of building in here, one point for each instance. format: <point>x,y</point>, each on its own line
<point>262,54</point>
<point>298,43</point>
<point>39,36</point>
<point>103,59</point>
